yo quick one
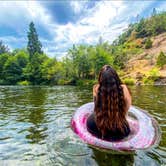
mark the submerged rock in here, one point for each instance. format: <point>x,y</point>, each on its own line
<point>160,81</point>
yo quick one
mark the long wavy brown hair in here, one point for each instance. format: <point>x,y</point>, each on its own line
<point>110,105</point>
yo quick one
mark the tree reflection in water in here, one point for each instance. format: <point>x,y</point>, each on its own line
<point>109,159</point>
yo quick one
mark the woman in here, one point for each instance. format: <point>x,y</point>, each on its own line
<point>112,100</point>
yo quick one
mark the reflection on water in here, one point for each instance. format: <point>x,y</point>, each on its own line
<point>104,158</point>
<point>35,127</point>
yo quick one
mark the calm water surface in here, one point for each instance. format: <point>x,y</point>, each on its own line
<point>35,127</point>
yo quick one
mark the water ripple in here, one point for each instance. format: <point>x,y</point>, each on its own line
<point>35,127</point>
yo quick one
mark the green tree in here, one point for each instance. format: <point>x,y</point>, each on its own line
<point>34,45</point>
<point>148,43</point>
<point>3,58</point>
<point>99,59</point>
<point>68,67</point>
<point>36,57</point>
<point>161,59</point>
<point>154,12</point>
<point>52,71</point>
<point>13,69</point>
<point>33,71</point>
<point>140,28</point>
<point>3,48</point>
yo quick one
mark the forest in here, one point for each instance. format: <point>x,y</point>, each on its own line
<point>81,65</point>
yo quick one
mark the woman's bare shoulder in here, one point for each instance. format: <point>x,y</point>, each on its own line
<point>95,86</point>
<point>125,88</point>
<point>127,95</point>
<point>95,89</point>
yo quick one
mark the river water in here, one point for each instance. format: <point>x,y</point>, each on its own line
<point>35,127</point>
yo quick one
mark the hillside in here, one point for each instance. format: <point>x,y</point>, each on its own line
<point>143,46</point>
<point>139,66</point>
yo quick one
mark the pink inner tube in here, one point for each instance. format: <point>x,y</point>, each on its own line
<point>145,131</point>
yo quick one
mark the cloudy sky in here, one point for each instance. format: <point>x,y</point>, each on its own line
<point>60,24</point>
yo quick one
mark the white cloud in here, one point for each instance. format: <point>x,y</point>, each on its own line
<point>106,18</point>
<point>95,23</point>
<point>78,6</point>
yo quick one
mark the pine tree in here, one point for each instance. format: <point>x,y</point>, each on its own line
<point>34,45</point>
<point>161,59</point>
<point>154,12</point>
<point>3,48</point>
<point>148,43</point>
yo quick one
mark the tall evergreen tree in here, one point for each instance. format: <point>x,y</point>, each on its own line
<point>154,12</point>
<point>3,48</point>
<point>34,45</point>
<point>36,57</point>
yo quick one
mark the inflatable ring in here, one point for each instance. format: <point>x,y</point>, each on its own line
<point>145,131</point>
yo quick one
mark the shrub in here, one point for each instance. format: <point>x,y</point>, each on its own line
<point>61,82</point>
<point>2,82</point>
<point>86,82</point>
<point>161,59</point>
<point>154,73</point>
<point>148,81</point>
<point>64,82</point>
<point>23,83</point>
<point>148,43</point>
<point>129,81</point>
<point>151,76</point>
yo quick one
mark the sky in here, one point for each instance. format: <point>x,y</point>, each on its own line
<point>60,24</point>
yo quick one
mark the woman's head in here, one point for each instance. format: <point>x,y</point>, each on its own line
<point>109,104</point>
<point>108,76</point>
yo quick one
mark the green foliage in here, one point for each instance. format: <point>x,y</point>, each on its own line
<point>129,81</point>
<point>33,71</point>
<point>154,73</point>
<point>154,25</point>
<point>63,82</point>
<point>99,59</point>
<point>120,57</point>
<point>12,70</point>
<point>82,63</point>
<point>34,45</point>
<point>148,81</point>
<point>24,83</point>
<point>161,59</point>
<point>3,59</point>
<point>148,43</point>
<point>3,48</point>
<point>12,67</point>
<point>140,28</point>
<point>86,82</point>
<point>151,76</point>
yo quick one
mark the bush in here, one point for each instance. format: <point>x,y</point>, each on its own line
<point>86,82</point>
<point>151,76</point>
<point>148,81</point>
<point>161,59</point>
<point>64,82</point>
<point>148,43</point>
<point>129,81</point>
<point>154,73</point>
<point>2,82</point>
<point>23,83</point>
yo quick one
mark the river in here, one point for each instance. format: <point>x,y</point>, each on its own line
<point>35,127</point>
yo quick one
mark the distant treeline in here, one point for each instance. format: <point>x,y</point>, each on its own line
<point>31,66</point>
